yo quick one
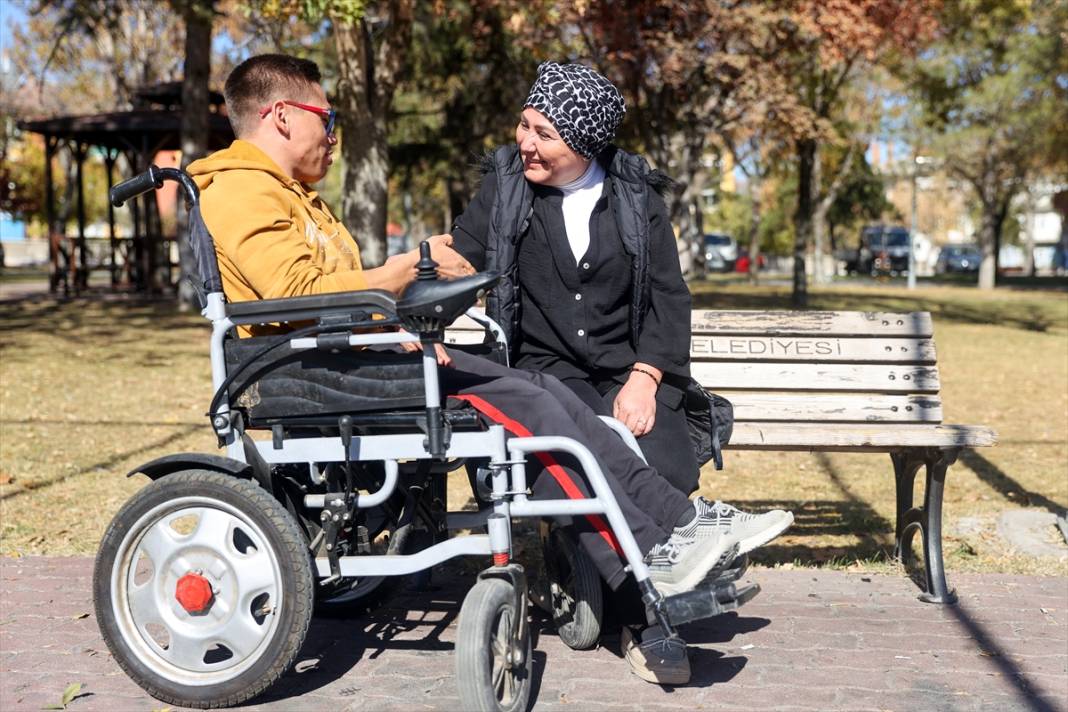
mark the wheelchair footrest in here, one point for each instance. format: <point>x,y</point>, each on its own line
<point>708,602</point>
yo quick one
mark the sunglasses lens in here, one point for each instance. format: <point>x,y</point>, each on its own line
<point>330,122</point>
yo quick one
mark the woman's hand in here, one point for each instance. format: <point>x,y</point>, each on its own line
<point>451,264</point>
<point>635,404</point>
<point>443,356</point>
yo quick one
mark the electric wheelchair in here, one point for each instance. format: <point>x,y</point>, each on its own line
<point>206,580</point>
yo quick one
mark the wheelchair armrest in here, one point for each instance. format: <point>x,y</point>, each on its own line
<point>271,309</point>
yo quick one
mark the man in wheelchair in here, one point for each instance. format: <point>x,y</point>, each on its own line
<point>276,238</point>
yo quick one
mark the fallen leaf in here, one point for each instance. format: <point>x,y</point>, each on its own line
<point>71,692</point>
<point>79,616</point>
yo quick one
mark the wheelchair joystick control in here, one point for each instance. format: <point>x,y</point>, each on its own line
<point>426,267</point>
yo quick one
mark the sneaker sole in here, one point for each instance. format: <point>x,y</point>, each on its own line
<point>762,538</point>
<point>735,570</point>
<point>715,559</point>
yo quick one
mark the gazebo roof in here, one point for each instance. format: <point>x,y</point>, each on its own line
<point>137,130</point>
<point>170,94</point>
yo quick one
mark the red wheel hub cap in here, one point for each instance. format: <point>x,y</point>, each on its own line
<point>194,593</point>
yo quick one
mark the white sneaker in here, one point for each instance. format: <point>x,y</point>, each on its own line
<point>751,530</point>
<point>681,563</point>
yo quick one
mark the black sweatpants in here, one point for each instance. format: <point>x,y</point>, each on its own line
<point>528,403</point>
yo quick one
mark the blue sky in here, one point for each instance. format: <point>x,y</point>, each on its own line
<point>10,11</point>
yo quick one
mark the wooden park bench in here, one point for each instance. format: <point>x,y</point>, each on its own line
<point>835,382</point>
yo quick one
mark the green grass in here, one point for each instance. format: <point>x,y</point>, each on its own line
<point>12,275</point>
<point>91,388</point>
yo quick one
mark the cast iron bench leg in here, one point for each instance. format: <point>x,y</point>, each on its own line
<point>928,518</point>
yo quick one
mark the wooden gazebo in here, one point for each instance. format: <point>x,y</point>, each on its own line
<point>140,261</point>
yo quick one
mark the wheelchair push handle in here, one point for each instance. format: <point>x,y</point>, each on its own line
<point>152,179</point>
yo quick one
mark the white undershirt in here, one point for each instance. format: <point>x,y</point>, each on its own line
<point>580,195</point>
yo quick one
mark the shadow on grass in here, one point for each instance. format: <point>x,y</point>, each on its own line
<point>1005,485</point>
<point>35,485</point>
<point>105,318</point>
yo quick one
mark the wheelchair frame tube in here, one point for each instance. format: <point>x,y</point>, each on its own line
<point>399,564</point>
<point>318,501</point>
<point>479,316</point>
<point>393,337</point>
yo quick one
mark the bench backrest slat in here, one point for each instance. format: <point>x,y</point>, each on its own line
<point>787,323</point>
<point>732,347</point>
<point>842,408</point>
<point>857,378</point>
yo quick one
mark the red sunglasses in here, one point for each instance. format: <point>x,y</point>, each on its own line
<point>329,114</point>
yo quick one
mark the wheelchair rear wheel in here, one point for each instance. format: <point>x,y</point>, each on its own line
<point>575,595</point>
<point>493,664</point>
<point>202,589</point>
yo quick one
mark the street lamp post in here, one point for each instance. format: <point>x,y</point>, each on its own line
<point>917,162</point>
<point>912,232</point>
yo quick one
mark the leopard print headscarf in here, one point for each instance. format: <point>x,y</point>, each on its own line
<point>583,106</point>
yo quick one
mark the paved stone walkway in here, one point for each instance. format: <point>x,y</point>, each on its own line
<point>813,640</point>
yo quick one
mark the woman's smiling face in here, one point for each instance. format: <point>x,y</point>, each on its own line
<point>547,159</point>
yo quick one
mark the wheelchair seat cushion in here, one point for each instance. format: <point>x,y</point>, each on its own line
<point>286,383</point>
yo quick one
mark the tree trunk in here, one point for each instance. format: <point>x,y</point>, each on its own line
<point>367,77</point>
<point>988,239</point>
<point>196,125</point>
<point>806,154</point>
<point>365,187</point>
<point>1029,235</point>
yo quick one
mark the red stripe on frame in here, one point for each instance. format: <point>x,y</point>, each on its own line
<point>558,473</point>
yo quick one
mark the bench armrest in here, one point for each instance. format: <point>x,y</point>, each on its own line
<point>279,309</point>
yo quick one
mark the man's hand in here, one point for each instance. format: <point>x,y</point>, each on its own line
<point>443,356</point>
<point>635,404</point>
<point>451,264</point>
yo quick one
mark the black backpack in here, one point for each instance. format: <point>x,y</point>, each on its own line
<point>711,421</point>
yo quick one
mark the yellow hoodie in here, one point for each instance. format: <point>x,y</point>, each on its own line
<point>274,236</point>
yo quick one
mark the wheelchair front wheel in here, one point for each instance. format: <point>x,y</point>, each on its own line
<point>202,589</point>
<point>493,667</point>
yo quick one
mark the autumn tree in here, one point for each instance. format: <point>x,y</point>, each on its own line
<point>85,56</point>
<point>690,71</point>
<point>993,92</point>
<point>837,40</point>
<point>465,85</point>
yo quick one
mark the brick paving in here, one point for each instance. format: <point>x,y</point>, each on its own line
<point>813,640</point>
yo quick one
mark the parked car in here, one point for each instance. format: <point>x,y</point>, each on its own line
<point>958,258</point>
<point>741,265</point>
<point>884,249</point>
<point>720,252</point>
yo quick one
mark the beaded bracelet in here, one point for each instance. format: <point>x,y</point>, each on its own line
<point>647,373</point>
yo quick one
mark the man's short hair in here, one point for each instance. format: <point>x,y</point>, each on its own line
<point>260,80</point>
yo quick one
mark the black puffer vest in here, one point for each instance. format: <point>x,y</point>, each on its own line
<point>630,179</point>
